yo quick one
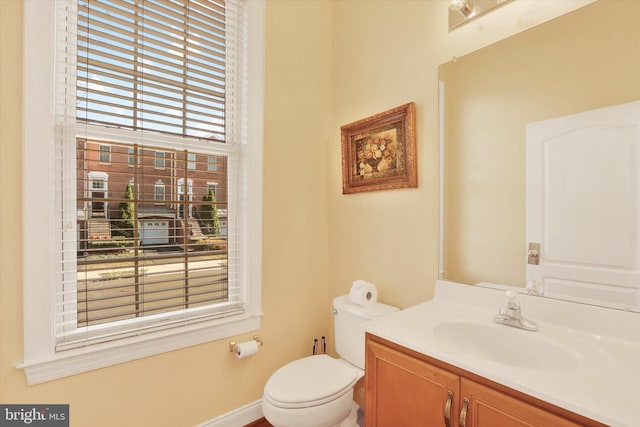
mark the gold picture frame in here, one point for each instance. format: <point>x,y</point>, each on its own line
<point>379,152</point>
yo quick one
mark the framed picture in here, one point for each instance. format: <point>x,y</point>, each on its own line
<point>379,152</point>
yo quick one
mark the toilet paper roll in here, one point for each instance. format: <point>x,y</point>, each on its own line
<point>246,349</point>
<point>363,293</point>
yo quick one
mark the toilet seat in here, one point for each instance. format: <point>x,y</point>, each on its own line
<point>310,381</point>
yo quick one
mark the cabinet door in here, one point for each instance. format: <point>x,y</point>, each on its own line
<point>403,391</point>
<point>491,408</point>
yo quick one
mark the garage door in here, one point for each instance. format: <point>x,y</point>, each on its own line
<point>154,232</point>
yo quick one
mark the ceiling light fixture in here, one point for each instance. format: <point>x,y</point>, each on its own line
<point>464,7</point>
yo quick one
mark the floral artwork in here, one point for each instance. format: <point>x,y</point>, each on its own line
<point>378,153</point>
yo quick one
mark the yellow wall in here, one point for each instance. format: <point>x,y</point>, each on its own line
<point>584,60</point>
<point>328,63</point>
<point>383,59</point>
<point>385,54</point>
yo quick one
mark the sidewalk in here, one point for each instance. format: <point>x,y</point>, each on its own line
<point>155,269</point>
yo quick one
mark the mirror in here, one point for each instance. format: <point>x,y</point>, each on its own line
<point>584,60</point>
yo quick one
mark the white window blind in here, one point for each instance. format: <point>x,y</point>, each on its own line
<point>155,65</point>
<point>158,82</point>
<point>54,214</point>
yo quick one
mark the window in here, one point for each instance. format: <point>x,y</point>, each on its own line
<point>157,84</point>
<point>185,198</point>
<point>96,198</point>
<point>191,161</point>
<point>97,185</point>
<point>212,187</point>
<point>159,160</point>
<point>158,191</point>
<point>105,154</point>
<point>212,164</point>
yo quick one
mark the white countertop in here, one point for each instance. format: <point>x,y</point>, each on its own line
<point>602,380</point>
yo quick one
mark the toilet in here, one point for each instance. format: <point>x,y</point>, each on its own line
<point>317,391</point>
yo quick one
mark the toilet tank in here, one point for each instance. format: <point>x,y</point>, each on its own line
<point>349,330</point>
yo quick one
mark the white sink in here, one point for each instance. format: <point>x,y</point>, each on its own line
<point>583,358</point>
<point>506,345</point>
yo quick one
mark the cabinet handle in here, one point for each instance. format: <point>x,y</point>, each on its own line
<point>447,409</point>
<point>463,413</point>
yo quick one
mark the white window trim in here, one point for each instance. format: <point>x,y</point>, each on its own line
<point>158,184</point>
<point>98,177</point>
<point>41,361</point>
<point>180,192</point>
<point>212,186</point>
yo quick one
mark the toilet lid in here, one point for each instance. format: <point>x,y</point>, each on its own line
<point>310,381</point>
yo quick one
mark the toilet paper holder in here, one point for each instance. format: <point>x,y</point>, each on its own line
<point>233,346</point>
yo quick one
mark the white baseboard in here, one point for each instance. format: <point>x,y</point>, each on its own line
<point>238,417</point>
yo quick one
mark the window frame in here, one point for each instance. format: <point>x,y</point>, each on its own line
<point>105,150</point>
<point>41,360</point>
<point>95,178</point>
<point>160,160</point>
<point>159,185</point>
<point>212,166</point>
<point>212,185</point>
<point>192,161</point>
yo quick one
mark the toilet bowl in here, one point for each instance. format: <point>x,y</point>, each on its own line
<point>317,391</point>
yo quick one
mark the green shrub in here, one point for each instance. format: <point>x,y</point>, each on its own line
<point>210,245</point>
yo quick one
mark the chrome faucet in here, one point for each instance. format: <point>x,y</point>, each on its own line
<point>511,315</point>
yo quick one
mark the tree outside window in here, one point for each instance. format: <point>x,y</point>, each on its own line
<point>127,213</point>
<point>209,213</point>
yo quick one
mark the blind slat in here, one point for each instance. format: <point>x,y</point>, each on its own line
<point>213,18</point>
<point>182,80</point>
<point>196,54</point>
<point>171,94</point>
<point>129,18</point>
<point>177,111</point>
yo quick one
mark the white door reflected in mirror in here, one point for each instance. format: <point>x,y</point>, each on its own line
<point>583,204</point>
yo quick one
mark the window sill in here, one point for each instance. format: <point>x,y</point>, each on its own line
<point>70,362</point>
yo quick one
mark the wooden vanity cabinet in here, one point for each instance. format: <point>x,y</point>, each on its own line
<point>489,407</point>
<point>404,388</point>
